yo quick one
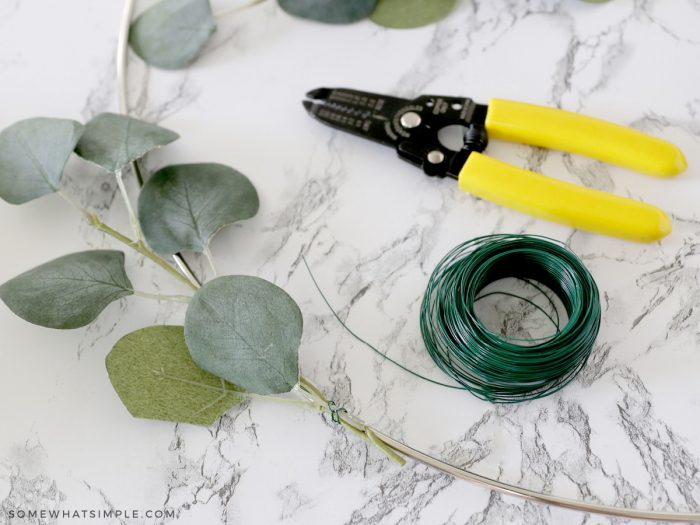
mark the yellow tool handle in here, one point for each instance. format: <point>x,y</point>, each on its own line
<point>566,131</point>
<point>563,202</point>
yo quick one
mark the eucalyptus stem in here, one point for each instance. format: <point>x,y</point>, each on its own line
<point>210,260</point>
<point>140,247</point>
<point>135,226</point>
<point>306,403</point>
<point>75,205</point>
<point>315,400</point>
<point>122,52</point>
<point>162,297</point>
<point>349,421</point>
<point>250,3</point>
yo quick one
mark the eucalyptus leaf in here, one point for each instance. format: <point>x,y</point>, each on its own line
<point>330,11</point>
<point>33,153</point>
<point>172,33</point>
<point>182,207</point>
<point>246,330</point>
<point>113,141</point>
<point>68,292</point>
<point>407,14</point>
<point>155,377</point>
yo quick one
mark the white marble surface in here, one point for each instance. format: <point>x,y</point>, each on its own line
<point>625,432</point>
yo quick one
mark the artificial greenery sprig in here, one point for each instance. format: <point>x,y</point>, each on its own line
<point>171,34</point>
<point>241,334</point>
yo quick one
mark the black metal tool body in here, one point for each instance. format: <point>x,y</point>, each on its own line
<point>410,126</point>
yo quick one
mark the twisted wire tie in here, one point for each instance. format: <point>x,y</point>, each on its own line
<point>336,411</point>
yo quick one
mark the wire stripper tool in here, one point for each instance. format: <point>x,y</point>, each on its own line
<point>412,127</point>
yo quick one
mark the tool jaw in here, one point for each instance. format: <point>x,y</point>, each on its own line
<point>410,126</point>
<point>361,113</point>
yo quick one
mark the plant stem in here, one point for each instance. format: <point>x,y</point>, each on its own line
<point>285,400</point>
<point>140,247</point>
<point>349,421</point>
<point>210,259</point>
<point>161,297</point>
<point>250,3</point>
<point>129,208</point>
<point>122,52</point>
<point>75,205</point>
<point>225,391</point>
<point>313,399</point>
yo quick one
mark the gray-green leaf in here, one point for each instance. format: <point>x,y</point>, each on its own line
<point>113,141</point>
<point>330,11</point>
<point>68,292</point>
<point>407,14</point>
<point>181,207</point>
<point>172,33</point>
<point>246,330</point>
<point>33,153</point>
<point>155,377</point>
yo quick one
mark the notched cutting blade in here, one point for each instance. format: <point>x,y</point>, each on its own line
<point>361,113</point>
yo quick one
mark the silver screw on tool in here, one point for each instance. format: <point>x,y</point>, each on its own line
<point>436,156</point>
<point>410,120</point>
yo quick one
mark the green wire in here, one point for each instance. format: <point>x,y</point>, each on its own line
<point>367,343</point>
<point>489,367</point>
<point>493,368</point>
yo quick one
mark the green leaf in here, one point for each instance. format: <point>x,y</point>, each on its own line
<point>156,378</point>
<point>68,292</point>
<point>112,141</point>
<point>182,207</point>
<point>246,330</point>
<point>33,153</point>
<point>330,11</point>
<point>407,14</point>
<point>172,33</point>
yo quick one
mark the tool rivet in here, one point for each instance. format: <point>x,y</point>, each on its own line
<point>410,120</point>
<point>436,156</point>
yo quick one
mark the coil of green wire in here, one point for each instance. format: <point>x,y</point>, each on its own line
<point>491,367</point>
